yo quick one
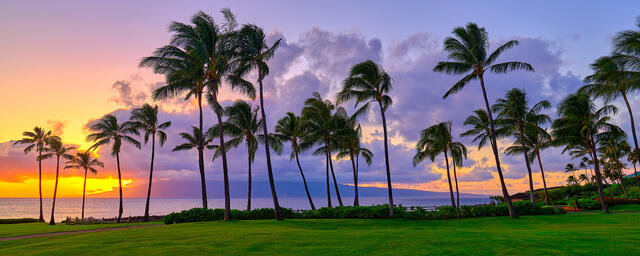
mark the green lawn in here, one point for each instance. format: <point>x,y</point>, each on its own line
<point>7,230</point>
<point>625,207</point>
<point>569,234</point>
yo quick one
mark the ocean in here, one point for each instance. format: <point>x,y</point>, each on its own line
<point>108,207</point>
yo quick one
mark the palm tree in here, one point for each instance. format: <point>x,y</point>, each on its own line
<point>243,124</point>
<point>368,82</point>
<point>458,153</point>
<point>290,128</point>
<point>584,178</point>
<point>581,125</point>
<point>350,147</point>
<point>610,80</point>
<point>145,119</point>
<point>107,130</point>
<point>195,140</point>
<point>570,168</point>
<point>539,140</point>
<point>84,161</point>
<point>633,159</point>
<point>515,115</point>
<point>571,180</point>
<point>322,129</point>
<point>38,140</point>
<point>613,146</point>
<point>434,140</point>
<point>57,149</point>
<point>469,54</point>
<point>184,75</point>
<point>254,54</point>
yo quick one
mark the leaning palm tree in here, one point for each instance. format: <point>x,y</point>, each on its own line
<point>84,161</point>
<point>633,159</point>
<point>367,83</point>
<point>468,53</point>
<point>36,140</point>
<point>458,153</point>
<point>243,125</point>
<point>56,149</point>
<point>351,148</point>
<point>581,125</point>
<point>434,140</point>
<point>321,126</point>
<point>515,114</point>
<point>290,128</point>
<point>145,119</point>
<point>107,130</point>
<point>570,168</point>
<point>254,54</point>
<point>539,139</point>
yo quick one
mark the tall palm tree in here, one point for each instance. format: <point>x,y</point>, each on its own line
<point>194,140</point>
<point>612,79</point>
<point>290,128</point>
<point>480,128</point>
<point>570,168</point>
<point>538,139</point>
<point>434,140</point>
<point>107,130</point>
<point>145,119</point>
<point>468,53</point>
<point>350,147</point>
<point>254,54</point>
<point>321,126</point>
<point>84,161</point>
<point>367,83</point>
<point>243,125</point>
<point>515,114</point>
<point>56,149</point>
<point>458,153</point>
<point>633,159</point>
<point>613,146</point>
<point>36,140</point>
<point>184,74</point>
<point>581,125</point>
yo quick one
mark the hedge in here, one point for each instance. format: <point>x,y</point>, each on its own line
<point>16,221</point>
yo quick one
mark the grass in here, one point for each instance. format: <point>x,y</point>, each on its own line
<point>625,207</point>
<point>8,230</point>
<point>569,234</point>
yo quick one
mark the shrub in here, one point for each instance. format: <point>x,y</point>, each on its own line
<point>588,204</point>
<point>16,221</point>
<point>614,201</point>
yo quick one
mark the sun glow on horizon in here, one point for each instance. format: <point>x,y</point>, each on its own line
<point>67,186</point>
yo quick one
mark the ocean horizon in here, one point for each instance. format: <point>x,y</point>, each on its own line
<point>108,207</point>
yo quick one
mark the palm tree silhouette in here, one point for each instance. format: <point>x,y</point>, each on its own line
<point>320,118</point>
<point>194,140</point>
<point>145,120</point>
<point>56,149</point>
<point>368,83</point>
<point>434,140</point>
<point>107,130</point>
<point>633,159</point>
<point>580,125</point>
<point>84,161</point>
<point>350,147</point>
<point>458,153</point>
<point>516,116</point>
<point>614,145</point>
<point>36,140</point>
<point>254,54</point>
<point>290,128</point>
<point>243,125</point>
<point>570,168</point>
<point>469,54</point>
<point>539,139</point>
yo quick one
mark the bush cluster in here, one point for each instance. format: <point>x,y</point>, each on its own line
<point>16,221</point>
<point>364,212</point>
<point>614,201</point>
<point>588,204</point>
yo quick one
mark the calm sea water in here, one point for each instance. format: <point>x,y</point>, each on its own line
<point>108,207</point>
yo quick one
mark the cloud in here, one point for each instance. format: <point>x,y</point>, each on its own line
<point>126,95</point>
<point>57,126</point>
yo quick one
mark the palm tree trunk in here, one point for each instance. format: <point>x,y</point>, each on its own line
<point>203,183</point>
<point>455,178</point>
<point>544,181</point>
<point>623,188</point>
<point>446,160</point>
<point>333,174</point>
<point>225,170</point>
<point>84,188</point>
<point>633,132</point>
<point>526,161</point>
<point>55,191</point>
<point>153,152</point>
<point>41,218</point>
<point>355,180</point>
<point>272,184</point>
<point>120,210</point>
<point>596,164</point>
<point>386,159</point>
<point>635,171</point>
<point>249,178</point>
<point>505,193</point>
<point>326,157</point>
<point>306,188</point>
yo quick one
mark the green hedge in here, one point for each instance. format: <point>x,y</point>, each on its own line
<point>16,221</point>
<point>363,212</point>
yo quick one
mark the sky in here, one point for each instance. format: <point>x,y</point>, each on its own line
<point>64,64</point>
